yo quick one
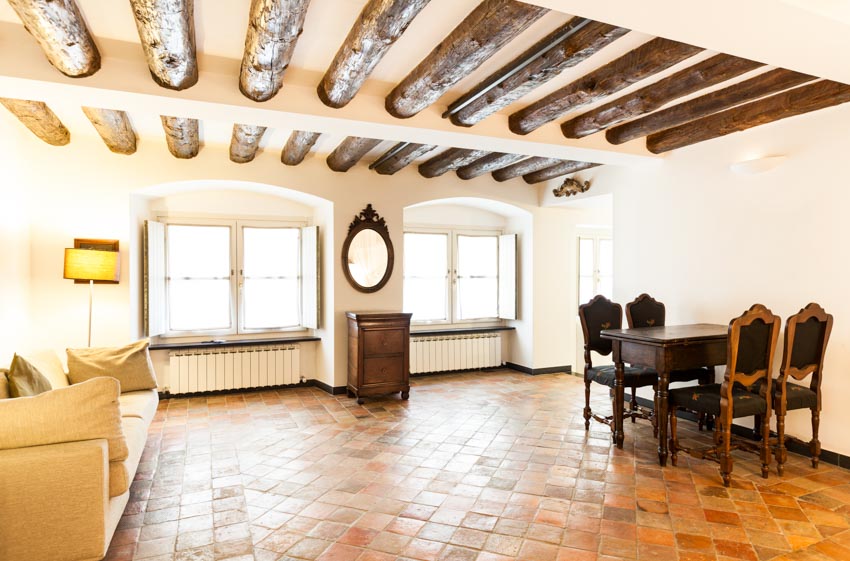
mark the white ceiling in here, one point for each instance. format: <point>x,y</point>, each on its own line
<point>756,29</point>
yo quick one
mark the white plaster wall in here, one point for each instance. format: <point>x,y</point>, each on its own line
<point>709,243</point>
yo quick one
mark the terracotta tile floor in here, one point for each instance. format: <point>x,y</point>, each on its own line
<point>486,466</point>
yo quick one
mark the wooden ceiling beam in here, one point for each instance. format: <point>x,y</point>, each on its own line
<point>402,158</point>
<point>273,30</point>
<point>450,160</point>
<point>770,82</point>
<point>380,24</point>
<point>167,32</point>
<point>350,151</point>
<point>488,164</point>
<point>244,142</point>
<point>484,31</point>
<point>509,85</point>
<point>648,59</point>
<point>704,74</point>
<point>182,135</point>
<point>298,146</point>
<point>61,32</point>
<point>803,99</point>
<point>524,167</point>
<point>114,127</point>
<point>39,119</point>
<point>564,168</point>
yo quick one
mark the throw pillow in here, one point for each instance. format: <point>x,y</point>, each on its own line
<point>47,362</point>
<point>4,384</point>
<point>131,365</point>
<point>25,380</point>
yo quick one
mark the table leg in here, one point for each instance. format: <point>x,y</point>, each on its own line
<point>661,403</point>
<point>619,400</point>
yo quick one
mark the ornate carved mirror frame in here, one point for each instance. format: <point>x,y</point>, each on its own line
<point>368,219</point>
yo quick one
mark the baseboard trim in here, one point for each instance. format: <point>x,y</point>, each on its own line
<point>169,395</point>
<point>333,390</point>
<point>536,371</point>
<point>795,446</point>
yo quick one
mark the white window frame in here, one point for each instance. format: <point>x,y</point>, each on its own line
<point>596,235</point>
<point>451,282</point>
<point>235,223</point>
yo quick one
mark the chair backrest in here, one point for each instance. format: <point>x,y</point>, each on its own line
<point>598,314</point>
<point>806,335</point>
<point>750,350</point>
<point>645,311</point>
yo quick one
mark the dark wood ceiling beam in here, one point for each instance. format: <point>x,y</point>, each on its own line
<point>771,82</point>
<point>704,74</point>
<point>450,160</point>
<point>583,43</point>
<point>167,32</point>
<point>114,128</point>
<point>648,59</point>
<point>524,167</point>
<point>403,158</point>
<point>61,32</point>
<point>380,24</point>
<point>488,164</point>
<point>244,142</point>
<point>298,146</point>
<point>350,151</point>
<point>39,119</point>
<point>182,135</point>
<point>484,31</point>
<point>819,95</point>
<point>273,30</point>
<point>564,168</point>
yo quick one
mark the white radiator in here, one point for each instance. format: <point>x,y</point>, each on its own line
<point>455,352</point>
<point>203,370</point>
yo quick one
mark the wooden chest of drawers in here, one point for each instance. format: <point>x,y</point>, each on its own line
<point>378,354</point>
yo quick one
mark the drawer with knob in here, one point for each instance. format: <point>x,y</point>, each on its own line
<point>378,354</point>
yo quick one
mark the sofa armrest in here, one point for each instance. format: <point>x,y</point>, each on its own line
<point>54,501</point>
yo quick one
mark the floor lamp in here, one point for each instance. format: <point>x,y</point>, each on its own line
<point>92,265</point>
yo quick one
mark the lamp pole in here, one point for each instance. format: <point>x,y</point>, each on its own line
<point>91,297</point>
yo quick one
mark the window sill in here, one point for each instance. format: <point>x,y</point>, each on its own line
<point>460,331</point>
<point>234,343</point>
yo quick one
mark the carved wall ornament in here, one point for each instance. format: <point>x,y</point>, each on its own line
<point>367,254</point>
<point>370,215</point>
<point>570,187</point>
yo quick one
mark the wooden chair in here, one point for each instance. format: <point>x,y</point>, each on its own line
<point>806,335</point>
<point>744,392</point>
<point>596,315</point>
<point>646,311</point>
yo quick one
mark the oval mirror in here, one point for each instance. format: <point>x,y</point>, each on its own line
<point>367,254</point>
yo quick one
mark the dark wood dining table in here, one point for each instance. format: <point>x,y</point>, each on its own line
<point>664,349</point>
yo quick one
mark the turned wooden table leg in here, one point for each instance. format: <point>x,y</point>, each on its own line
<point>661,401</point>
<point>619,396</point>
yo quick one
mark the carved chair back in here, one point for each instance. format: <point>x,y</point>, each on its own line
<point>596,315</point>
<point>751,347</point>
<point>806,335</point>
<point>645,311</point>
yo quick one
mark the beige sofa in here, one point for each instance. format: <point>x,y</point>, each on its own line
<point>63,488</point>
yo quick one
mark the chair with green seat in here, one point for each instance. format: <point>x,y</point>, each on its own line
<point>646,311</point>
<point>598,314</point>
<point>806,336</point>
<point>744,392</point>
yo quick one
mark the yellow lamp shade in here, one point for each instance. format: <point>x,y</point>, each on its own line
<point>92,264</point>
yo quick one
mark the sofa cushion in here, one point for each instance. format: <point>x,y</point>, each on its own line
<point>141,404</point>
<point>4,384</point>
<point>25,380</point>
<point>48,363</point>
<point>131,365</point>
<point>136,433</point>
<point>85,411</point>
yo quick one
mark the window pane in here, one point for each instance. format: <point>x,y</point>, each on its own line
<point>606,257</point>
<point>606,287</point>
<point>270,303</point>
<point>585,256</point>
<point>477,256</point>
<point>198,251</point>
<point>477,298</point>
<point>270,252</point>
<point>426,265</point>
<point>585,289</point>
<point>198,305</point>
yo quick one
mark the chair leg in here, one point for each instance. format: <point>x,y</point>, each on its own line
<point>724,454</point>
<point>634,404</point>
<point>781,451</point>
<point>757,428</point>
<point>814,445</point>
<point>765,445</point>
<point>701,421</point>
<point>674,439</point>
<point>655,419</point>
<point>587,412</point>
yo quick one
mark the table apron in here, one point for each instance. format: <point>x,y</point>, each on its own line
<point>673,357</point>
